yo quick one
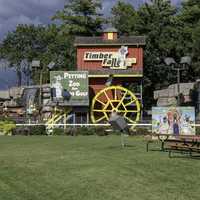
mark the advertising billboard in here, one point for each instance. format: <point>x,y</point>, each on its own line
<point>112,60</point>
<point>118,60</point>
<point>173,120</point>
<point>70,87</point>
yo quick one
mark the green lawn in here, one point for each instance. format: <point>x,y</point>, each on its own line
<point>92,168</point>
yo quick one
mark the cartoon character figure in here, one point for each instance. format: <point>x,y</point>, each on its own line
<point>186,128</point>
<point>164,126</point>
<point>170,121</point>
<point>123,51</point>
<point>176,130</point>
<point>58,86</point>
<point>174,117</point>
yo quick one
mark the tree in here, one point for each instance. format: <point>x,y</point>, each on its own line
<point>29,42</point>
<point>157,20</point>
<point>59,50</point>
<point>189,18</point>
<point>190,13</point>
<point>124,18</point>
<point>21,45</point>
<point>80,17</point>
<point>196,50</point>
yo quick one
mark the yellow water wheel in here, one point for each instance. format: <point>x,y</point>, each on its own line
<point>115,99</point>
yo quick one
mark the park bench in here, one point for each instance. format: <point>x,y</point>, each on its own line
<point>180,144</point>
<point>184,144</point>
<point>159,138</point>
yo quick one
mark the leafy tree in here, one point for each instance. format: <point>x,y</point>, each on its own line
<point>124,18</point>
<point>29,42</point>
<point>19,45</point>
<point>80,17</point>
<point>59,50</point>
<point>190,13</point>
<point>157,20</point>
<point>196,49</point>
<point>169,33</point>
<point>189,18</point>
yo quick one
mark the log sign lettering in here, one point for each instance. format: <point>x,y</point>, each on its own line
<point>112,60</point>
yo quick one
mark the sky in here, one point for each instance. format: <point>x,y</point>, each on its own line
<point>13,12</point>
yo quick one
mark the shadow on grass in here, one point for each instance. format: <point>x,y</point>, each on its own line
<point>185,156</point>
<point>160,150</point>
<point>127,146</point>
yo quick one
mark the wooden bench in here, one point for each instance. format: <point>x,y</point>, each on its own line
<point>183,146</point>
<point>161,138</point>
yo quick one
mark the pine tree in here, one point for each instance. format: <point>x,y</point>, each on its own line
<point>124,18</point>
<point>157,21</point>
<point>189,18</point>
<point>80,17</point>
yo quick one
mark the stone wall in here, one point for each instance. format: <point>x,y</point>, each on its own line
<point>167,97</point>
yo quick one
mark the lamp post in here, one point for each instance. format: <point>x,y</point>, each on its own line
<point>26,69</point>
<point>198,97</point>
<point>182,65</point>
<point>37,64</point>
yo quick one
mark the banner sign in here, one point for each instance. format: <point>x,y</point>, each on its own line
<point>112,60</point>
<point>70,87</point>
<point>173,120</point>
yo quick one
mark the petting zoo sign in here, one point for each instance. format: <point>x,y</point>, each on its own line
<point>70,87</point>
<point>113,60</point>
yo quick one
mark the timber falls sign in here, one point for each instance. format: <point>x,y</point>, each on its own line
<point>113,60</point>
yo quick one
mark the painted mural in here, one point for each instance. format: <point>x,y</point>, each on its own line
<point>173,120</point>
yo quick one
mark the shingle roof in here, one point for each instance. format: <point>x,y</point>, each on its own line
<point>110,30</point>
<point>98,41</point>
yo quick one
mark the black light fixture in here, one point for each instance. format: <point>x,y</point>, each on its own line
<point>169,61</point>
<point>51,65</point>
<point>184,62</point>
<point>35,63</point>
<point>109,80</point>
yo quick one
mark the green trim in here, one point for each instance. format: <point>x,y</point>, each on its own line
<point>111,44</point>
<point>115,75</point>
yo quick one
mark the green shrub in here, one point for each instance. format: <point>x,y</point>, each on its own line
<point>72,131</point>
<point>102,131</point>
<point>7,126</point>
<point>58,131</point>
<point>85,131</point>
<point>37,130</point>
<point>140,131</point>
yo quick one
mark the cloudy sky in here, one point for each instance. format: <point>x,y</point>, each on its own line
<point>13,12</point>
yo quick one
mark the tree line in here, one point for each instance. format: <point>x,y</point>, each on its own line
<point>170,32</point>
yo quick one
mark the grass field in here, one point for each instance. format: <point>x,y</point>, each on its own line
<point>92,168</point>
